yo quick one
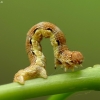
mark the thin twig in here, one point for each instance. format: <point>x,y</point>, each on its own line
<point>87,79</point>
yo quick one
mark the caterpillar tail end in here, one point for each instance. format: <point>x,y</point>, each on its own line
<point>29,73</point>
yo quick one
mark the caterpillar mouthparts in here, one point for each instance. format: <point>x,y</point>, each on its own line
<point>63,56</point>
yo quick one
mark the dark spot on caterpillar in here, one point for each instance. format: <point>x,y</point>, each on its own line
<point>33,53</point>
<point>71,61</point>
<point>50,29</point>
<point>58,42</point>
<point>30,41</point>
<point>35,30</point>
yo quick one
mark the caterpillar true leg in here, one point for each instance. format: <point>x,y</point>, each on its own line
<point>63,56</point>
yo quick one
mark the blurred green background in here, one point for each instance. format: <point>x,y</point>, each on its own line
<point>78,19</point>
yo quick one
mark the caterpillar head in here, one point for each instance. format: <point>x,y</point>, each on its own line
<point>70,59</point>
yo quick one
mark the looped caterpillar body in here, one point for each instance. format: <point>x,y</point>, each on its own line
<point>63,56</point>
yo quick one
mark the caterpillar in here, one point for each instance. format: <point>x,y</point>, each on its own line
<point>63,56</point>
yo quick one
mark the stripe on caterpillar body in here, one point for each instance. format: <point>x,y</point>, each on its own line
<point>63,56</point>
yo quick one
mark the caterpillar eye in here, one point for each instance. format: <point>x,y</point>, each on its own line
<point>50,29</point>
<point>35,30</point>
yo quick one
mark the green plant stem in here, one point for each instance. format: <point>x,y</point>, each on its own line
<point>62,96</point>
<point>87,79</point>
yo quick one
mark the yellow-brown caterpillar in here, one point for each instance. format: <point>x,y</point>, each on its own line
<point>63,56</point>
